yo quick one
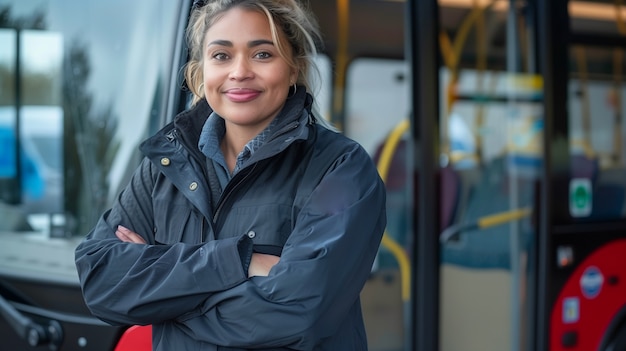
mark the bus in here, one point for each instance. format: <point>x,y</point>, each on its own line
<point>497,126</point>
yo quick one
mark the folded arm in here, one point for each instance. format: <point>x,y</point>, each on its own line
<point>127,283</point>
<point>322,269</point>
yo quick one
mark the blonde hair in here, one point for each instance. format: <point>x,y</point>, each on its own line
<point>287,19</point>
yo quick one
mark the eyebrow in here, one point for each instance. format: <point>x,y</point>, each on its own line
<point>251,44</point>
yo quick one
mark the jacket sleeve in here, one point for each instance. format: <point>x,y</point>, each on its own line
<point>322,270</point>
<point>126,283</point>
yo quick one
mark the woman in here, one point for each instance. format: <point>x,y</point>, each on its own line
<point>248,225</point>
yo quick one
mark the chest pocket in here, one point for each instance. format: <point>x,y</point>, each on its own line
<point>176,221</point>
<point>268,226</point>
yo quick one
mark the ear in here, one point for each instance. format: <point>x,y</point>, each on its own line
<point>293,78</point>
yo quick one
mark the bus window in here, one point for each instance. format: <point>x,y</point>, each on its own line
<point>36,128</point>
<point>377,101</point>
<point>322,86</point>
<point>81,84</point>
<point>596,189</point>
<point>491,142</point>
<point>76,78</point>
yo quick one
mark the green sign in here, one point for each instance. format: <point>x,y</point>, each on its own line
<point>580,197</point>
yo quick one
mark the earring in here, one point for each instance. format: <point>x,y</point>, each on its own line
<point>295,88</point>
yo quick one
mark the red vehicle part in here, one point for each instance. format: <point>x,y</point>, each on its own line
<point>590,302</point>
<point>136,338</point>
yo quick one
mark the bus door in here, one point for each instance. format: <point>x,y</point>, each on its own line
<point>585,261</point>
<point>491,159</point>
<point>459,145</point>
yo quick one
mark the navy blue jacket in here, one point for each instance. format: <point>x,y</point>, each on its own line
<point>309,194</point>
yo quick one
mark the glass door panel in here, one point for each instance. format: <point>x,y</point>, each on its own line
<point>378,127</point>
<point>491,127</point>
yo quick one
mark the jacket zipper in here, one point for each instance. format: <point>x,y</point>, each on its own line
<point>202,233</point>
<point>228,192</point>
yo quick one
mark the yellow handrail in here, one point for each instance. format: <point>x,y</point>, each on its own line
<point>503,217</point>
<point>384,163</point>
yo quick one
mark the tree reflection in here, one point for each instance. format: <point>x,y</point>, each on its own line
<point>93,146</point>
<point>88,140</point>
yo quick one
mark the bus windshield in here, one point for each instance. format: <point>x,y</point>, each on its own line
<point>81,84</point>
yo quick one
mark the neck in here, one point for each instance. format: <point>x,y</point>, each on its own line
<point>231,146</point>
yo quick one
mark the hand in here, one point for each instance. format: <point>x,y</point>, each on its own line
<point>260,264</point>
<point>128,236</point>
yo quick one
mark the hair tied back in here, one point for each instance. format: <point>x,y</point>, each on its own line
<point>198,3</point>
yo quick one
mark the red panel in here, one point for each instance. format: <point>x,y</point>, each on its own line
<point>589,300</point>
<point>136,338</point>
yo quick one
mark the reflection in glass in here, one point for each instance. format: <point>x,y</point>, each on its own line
<point>88,80</point>
<point>41,125</point>
<point>8,169</point>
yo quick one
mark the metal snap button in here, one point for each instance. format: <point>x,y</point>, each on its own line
<point>193,186</point>
<point>251,234</point>
<point>165,161</point>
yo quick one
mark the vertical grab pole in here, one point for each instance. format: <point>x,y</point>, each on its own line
<point>422,49</point>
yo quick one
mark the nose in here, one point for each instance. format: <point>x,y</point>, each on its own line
<point>241,69</point>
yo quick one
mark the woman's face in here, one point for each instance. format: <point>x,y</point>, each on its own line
<point>246,81</point>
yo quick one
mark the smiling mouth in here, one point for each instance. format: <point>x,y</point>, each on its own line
<point>242,95</point>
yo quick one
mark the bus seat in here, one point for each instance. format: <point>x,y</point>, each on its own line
<point>450,190</point>
<point>489,248</point>
<point>584,167</point>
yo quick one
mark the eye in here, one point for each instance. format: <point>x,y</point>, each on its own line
<point>263,55</point>
<point>220,56</point>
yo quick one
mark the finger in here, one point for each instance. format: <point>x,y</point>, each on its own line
<point>123,237</point>
<point>124,230</point>
<point>130,238</point>
<point>128,235</point>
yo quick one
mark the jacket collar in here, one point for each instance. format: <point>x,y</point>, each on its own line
<point>189,123</point>
<point>295,117</point>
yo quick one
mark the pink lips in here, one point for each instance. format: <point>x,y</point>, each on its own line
<point>242,95</point>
